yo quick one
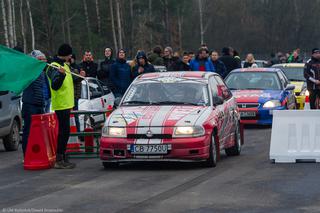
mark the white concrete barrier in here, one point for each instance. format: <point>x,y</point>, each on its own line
<point>295,136</point>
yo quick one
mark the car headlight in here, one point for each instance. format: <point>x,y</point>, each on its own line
<point>305,92</point>
<point>272,104</point>
<point>189,131</point>
<point>114,132</point>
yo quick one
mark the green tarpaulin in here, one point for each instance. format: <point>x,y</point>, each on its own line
<point>17,70</point>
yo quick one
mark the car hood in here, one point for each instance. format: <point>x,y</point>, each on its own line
<point>146,116</point>
<point>256,96</point>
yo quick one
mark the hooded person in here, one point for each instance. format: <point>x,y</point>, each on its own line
<point>120,74</point>
<point>142,65</point>
<point>229,61</point>
<point>105,68</point>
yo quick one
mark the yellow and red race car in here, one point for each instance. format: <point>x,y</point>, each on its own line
<point>294,72</point>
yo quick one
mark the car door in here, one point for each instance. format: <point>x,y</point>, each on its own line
<point>228,107</point>
<point>107,97</point>
<point>219,108</point>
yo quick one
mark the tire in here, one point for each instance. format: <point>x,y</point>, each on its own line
<point>212,160</point>
<point>11,141</point>
<point>110,165</point>
<point>236,149</point>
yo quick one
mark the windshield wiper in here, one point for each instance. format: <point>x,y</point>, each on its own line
<point>175,103</point>
<point>136,102</point>
<point>252,88</point>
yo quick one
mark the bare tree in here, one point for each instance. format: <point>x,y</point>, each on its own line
<point>150,20</point>
<point>68,22</point>
<point>119,23</point>
<point>22,28</point>
<point>14,23</point>
<point>5,24</point>
<point>113,27</point>
<point>31,25</point>
<point>87,22</point>
<point>10,27</point>
<point>98,16</point>
<point>201,21</point>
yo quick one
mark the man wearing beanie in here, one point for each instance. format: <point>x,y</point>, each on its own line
<point>312,75</point>
<point>62,101</point>
<point>33,101</point>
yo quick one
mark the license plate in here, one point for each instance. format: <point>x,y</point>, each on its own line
<point>247,114</point>
<point>149,149</point>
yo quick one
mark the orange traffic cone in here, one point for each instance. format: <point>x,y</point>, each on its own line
<point>73,143</point>
<point>307,103</point>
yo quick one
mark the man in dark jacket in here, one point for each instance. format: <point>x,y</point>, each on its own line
<point>170,62</point>
<point>312,75</point>
<point>184,64</point>
<point>32,101</point>
<point>142,65</point>
<point>62,101</point>
<point>88,65</point>
<point>120,74</point>
<point>155,57</point>
<point>229,61</point>
<point>105,67</point>
<point>218,64</point>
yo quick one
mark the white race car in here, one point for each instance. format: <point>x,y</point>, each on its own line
<point>95,96</point>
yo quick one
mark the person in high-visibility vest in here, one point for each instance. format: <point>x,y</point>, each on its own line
<point>62,101</point>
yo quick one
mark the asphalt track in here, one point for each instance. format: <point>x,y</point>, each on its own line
<point>247,183</point>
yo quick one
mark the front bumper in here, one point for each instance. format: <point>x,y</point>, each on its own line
<point>263,116</point>
<point>181,149</point>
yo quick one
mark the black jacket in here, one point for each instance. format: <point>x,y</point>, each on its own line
<point>181,66</point>
<point>104,72</point>
<point>54,75</point>
<point>230,63</point>
<point>312,73</point>
<point>90,68</point>
<point>171,63</point>
<point>220,68</point>
<point>76,80</point>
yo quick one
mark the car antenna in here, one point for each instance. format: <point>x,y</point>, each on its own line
<point>124,119</point>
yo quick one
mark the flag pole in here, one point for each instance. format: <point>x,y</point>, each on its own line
<point>80,76</point>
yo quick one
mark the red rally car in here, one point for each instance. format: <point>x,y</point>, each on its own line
<point>177,116</point>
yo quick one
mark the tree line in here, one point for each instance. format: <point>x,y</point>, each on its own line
<point>257,26</point>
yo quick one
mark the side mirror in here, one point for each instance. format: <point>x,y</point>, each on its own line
<point>117,101</point>
<point>290,87</point>
<point>217,100</point>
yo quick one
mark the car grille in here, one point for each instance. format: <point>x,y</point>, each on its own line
<point>144,136</point>
<point>248,105</point>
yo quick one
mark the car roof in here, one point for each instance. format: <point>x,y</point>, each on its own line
<point>299,65</point>
<point>192,75</point>
<point>257,69</point>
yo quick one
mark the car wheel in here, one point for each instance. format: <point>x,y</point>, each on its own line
<point>11,141</point>
<point>109,165</point>
<point>212,160</point>
<point>236,148</point>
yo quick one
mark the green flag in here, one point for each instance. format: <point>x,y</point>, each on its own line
<point>17,70</point>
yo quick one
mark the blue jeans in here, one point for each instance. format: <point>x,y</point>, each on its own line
<point>27,111</point>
